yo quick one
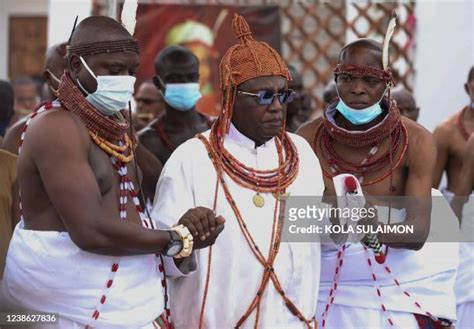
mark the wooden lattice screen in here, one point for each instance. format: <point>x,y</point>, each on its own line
<point>314,31</point>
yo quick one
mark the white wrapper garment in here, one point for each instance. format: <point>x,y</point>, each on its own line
<point>428,275</point>
<point>465,278</point>
<point>47,272</point>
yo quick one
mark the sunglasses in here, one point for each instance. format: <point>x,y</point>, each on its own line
<point>265,97</point>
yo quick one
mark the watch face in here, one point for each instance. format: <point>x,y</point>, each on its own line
<point>174,249</point>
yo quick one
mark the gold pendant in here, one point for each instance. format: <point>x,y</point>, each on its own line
<point>258,200</point>
<point>281,197</point>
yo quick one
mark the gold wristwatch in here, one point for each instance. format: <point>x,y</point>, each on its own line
<point>186,238</point>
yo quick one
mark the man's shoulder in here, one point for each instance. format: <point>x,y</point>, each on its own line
<point>308,129</point>
<point>56,126</point>
<point>195,144</point>
<point>190,149</point>
<point>421,143</point>
<point>417,133</point>
<point>148,130</point>
<point>298,140</point>
<point>306,153</point>
<point>11,141</point>
<point>414,128</point>
<point>448,126</point>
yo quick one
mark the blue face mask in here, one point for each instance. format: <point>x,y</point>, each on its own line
<point>113,92</point>
<point>182,96</point>
<point>359,117</point>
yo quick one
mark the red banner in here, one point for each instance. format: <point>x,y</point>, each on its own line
<point>206,30</point>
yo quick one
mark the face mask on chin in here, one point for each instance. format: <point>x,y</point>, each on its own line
<point>360,116</point>
<point>182,96</point>
<point>113,92</point>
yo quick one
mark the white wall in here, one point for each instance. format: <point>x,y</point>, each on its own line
<point>62,14</point>
<point>445,52</point>
<point>15,8</point>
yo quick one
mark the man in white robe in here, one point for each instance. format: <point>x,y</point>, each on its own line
<point>189,179</point>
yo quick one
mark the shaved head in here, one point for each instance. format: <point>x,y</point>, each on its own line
<point>98,28</point>
<point>105,47</point>
<point>369,49</point>
<point>406,103</point>
<point>177,55</point>
<point>55,61</point>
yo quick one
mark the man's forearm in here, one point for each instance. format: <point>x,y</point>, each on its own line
<point>121,238</point>
<point>394,238</point>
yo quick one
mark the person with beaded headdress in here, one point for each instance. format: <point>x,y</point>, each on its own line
<point>177,78</point>
<point>54,66</point>
<point>80,208</point>
<point>394,283</point>
<point>244,168</point>
<point>451,138</point>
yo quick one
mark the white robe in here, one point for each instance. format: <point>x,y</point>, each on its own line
<point>188,180</point>
<point>428,275</point>
<point>465,278</point>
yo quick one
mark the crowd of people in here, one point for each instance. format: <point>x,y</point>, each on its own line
<point>166,218</point>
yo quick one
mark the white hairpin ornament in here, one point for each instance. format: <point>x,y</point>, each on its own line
<point>386,41</point>
<point>129,14</point>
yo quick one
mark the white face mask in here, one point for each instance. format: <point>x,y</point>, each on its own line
<point>113,92</point>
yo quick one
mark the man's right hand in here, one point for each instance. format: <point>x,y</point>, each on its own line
<point>204,225</point>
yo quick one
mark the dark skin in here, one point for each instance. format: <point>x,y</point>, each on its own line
<point>298,110</point>
<point>55,64</point>
<point>179,126</point>
<point>149,165</point>
<point>406,103</point>
<point>451,145</point>
<point>259,122</point>
<point>72,186</point>
<point>466,187</point>
<point>329,93</point>
<point>412,178</point>
<point>149,99</point>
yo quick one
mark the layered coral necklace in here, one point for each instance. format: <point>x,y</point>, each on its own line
<point>260,181</point>
<point>390,128</point>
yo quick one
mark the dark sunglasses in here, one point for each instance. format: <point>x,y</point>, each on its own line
<point>265,97</point>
